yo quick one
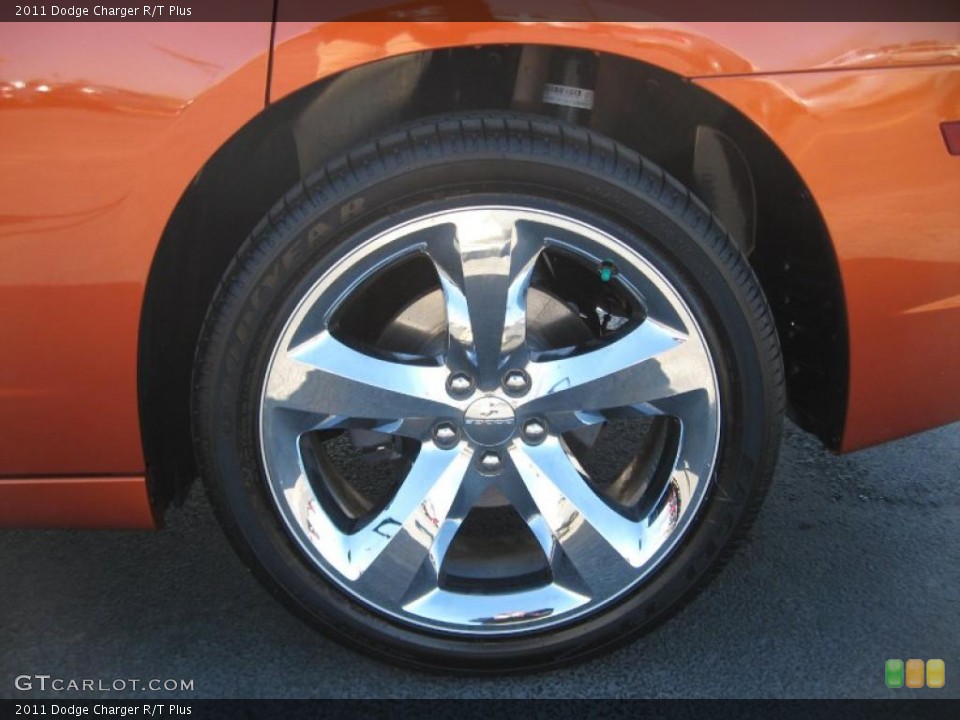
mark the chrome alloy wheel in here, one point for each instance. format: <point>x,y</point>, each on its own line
<point>487,396</point>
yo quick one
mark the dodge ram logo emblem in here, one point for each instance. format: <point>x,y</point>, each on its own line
<point>489,421</point>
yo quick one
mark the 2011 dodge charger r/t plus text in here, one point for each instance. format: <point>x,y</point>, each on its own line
<point>480,335</point>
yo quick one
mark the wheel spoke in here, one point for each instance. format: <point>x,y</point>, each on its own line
<point>325,377</point>
<point>400,552</point>
<point>474,484</point>
<point>651,362</point>
<point>565,421</point>
<point>603,545</point>
<point>397,540</point>
<point>484,269</point>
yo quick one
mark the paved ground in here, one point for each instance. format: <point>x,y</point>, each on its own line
<point>854,560</point>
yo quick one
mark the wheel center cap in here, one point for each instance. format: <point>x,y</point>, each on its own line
<point>489,421</point>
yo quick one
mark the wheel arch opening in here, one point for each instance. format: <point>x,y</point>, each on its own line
<point>721,155</point>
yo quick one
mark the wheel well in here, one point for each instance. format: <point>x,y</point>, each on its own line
<point>734,167</point>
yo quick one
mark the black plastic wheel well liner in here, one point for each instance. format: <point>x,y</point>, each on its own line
<point>654,112</point>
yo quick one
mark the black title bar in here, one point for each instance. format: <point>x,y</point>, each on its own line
<point>480,10</point>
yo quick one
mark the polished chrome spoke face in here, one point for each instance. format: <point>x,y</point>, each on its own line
<point>489,420</point>
<point>485,269</point>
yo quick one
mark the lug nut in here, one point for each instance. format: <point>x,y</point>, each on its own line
<point>516,383</point>
<point>459,385</point>
<point>534,431</point>
<point>490,462</point>
<point>445,435</point>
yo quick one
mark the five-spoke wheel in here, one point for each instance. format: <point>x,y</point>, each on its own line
<point>495,413</point>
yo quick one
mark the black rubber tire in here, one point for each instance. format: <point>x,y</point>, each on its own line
<point>442,160</point>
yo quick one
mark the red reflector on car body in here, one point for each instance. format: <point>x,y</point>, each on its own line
<point>951,135</point>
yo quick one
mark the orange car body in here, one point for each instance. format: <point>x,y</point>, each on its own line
<point>103,126</point>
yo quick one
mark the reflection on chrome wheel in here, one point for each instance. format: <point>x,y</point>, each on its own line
<point>496,394</point>
<point>479,403</point>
